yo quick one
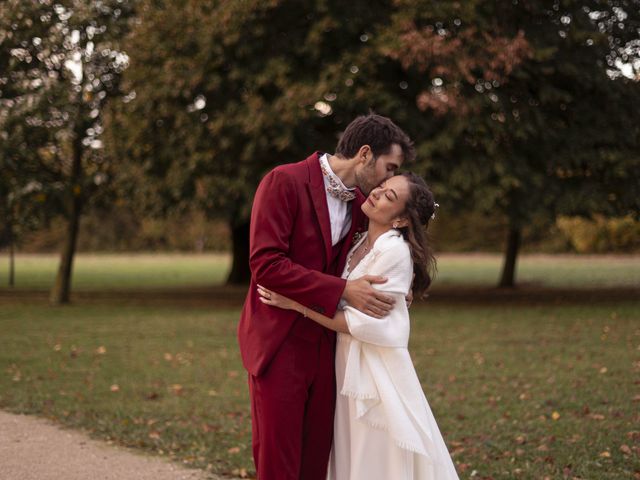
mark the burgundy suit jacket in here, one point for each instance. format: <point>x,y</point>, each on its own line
<point>290,253</point>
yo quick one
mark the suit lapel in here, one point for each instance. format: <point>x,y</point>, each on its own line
<point>319,198</point>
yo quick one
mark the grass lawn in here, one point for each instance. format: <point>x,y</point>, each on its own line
<point>143,271</point>
<point>118,271</point>
<point>519,391</point>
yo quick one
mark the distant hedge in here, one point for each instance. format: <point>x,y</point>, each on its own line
<point>600,234</point>
<point>121,230</point>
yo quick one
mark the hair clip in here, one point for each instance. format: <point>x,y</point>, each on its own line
<point>435,206</point>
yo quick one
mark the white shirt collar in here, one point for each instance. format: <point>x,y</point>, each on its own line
<point>333,183</point>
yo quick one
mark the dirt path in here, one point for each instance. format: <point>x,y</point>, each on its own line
<point>35,449</point>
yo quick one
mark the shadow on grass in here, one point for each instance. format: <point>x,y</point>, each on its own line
<point>233,296</point>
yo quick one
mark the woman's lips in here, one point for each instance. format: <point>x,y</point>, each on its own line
<point>371,202</point>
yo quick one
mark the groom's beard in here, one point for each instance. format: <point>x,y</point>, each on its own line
<point>365,180</point>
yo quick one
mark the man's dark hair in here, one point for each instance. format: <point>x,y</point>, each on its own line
<point>379,132</point>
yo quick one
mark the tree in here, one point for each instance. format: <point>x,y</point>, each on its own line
<point>220,94</point>
<point>63,66</point>
<point>535,115</point>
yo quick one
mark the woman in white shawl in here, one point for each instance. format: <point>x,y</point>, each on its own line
<point>383,426</point>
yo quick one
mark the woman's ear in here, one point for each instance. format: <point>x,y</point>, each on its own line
<point>400,222</point>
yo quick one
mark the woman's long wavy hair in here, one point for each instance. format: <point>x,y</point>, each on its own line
<point>419,210</point>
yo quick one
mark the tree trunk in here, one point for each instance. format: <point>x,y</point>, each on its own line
<point>240,273</point>
<point>62,287</point>
<point>508,276</point>
<point>12,256</point>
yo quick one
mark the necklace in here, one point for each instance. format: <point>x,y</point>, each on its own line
<point>365,248</point>
<point>357,255</point>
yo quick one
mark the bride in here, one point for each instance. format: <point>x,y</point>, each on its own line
<point>383,425</point>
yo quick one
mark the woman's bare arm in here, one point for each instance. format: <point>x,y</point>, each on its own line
<point>337,323</point>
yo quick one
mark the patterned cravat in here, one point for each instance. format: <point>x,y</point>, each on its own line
<point>335,188</point>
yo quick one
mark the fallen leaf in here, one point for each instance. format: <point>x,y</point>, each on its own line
<point>555,415</point>
<point>115,388</point>
<point>233,450</point>
<point>605,454</point>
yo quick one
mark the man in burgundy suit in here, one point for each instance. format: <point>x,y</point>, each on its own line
<point>303,221</point>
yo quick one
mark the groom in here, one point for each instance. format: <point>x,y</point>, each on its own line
<point>303,221</point>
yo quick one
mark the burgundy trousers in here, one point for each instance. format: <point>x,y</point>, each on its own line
<point>292,407</point>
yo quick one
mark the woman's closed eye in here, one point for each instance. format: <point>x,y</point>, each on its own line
<point>391,194</point>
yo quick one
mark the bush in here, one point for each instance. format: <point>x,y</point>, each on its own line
<point>120,230</point>
<point>600,234</point>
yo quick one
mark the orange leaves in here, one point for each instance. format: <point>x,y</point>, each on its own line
<point>15,373</point>
<point>152,396</point>
<point>176,389</point>
<point>504,55</point>
<point>464,57</point>
<point>179,359</point>
<point>210,427</point>
<point>240,472</point>
<point>625,449</point>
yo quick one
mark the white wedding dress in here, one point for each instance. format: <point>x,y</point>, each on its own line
<point>383,428</point>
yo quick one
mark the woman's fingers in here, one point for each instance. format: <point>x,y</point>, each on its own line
<point>264,292</point>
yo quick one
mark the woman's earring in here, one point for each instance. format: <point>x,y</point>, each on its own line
<point>395,224</point>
